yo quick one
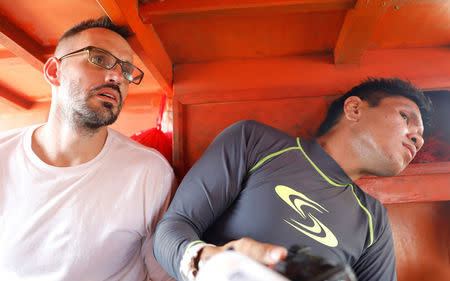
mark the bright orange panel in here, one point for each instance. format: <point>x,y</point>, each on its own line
<point>298,117</point>
<point>218,38</point>
<point>407,26</point>
<point>421,238</point>
<point>24,79</point>
<point>45,21</point>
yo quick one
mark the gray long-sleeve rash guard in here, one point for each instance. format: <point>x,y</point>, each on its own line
<point>255,181</point>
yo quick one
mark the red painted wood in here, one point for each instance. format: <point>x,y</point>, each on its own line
<point>19,43</point>
<point>242,36</point>
<point>163,11</point>
<point>411,188</point>
<point>421,238</point>
<point>204,122</point>
<point>357,31</point>
<point>179,141</point>
<point>5,54</point>
<point>306,75</point>
<point>415,25</point>
<point>15,99</point>
<point>145,43</point>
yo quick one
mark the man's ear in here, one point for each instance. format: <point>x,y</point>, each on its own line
<point>51,71</point>
<point>353,108</point>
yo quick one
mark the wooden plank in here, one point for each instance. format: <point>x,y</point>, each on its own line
<point>360,25</point>
<point>422,169</point>
<point>14,99</point>
<point>178,141</point>
<point>20,44</point>
<point>305,76</point>
<point>421,234</point>
<point>357,31</point>
<point>162,11</point>
<point>145,43</point>
<point>411,188</point>
<point>5,54</point>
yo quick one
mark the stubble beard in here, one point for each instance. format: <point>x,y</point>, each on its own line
<point>86,118</point>
<point>378,161</point>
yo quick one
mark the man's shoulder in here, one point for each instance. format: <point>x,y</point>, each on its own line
<point>254,125</point>
<point>255,129</point>
<point>371,201</point>
<point>13,134</point>
<point>374,206</point>
<point>131,150</point>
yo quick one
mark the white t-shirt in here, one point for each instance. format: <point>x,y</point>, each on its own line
<point>94,221</point>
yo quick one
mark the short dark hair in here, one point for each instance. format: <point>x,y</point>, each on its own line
<point>103,22</point>
<point>373,90</point>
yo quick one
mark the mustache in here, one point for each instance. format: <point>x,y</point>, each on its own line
<point>108,85</point>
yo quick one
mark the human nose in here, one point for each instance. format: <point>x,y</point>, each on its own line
<point>417,139</point>
<point>115,75</point>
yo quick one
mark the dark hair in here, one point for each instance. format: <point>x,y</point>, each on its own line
<point>103,22</point>
<point>373,90</point>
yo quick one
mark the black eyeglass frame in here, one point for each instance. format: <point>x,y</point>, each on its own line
<point>88,49</point>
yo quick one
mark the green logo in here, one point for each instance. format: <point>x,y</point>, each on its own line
<point>296,200</point>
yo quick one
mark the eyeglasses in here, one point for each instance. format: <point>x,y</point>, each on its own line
<point>106,60</point>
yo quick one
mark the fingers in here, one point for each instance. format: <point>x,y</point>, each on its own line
<point>209,251</point>
<point>262,252</point>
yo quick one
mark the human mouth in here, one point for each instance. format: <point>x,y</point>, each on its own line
<point>411,149</point>
<point>108,93</point>
<point>108,97</point>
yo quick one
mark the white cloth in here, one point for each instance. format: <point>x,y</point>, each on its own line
<point>187,268</point>
<point>94,221</point>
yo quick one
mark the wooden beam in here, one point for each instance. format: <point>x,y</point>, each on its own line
<point>162,11</point>
<point>179,141</point>
<point>305,76</point>
<point>360,25</point>
<point>21,44</point>
<point>357,31</point>
<point>5,54</point>
<point>15,99</point>
<point>145,43</point>
<point>411,188</point>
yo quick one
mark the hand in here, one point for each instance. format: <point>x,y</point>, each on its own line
<point>264,253</point>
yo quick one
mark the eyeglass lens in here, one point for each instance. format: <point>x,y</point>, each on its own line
<point>107,61</point>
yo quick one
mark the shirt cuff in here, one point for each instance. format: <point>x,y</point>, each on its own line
<point>188,269</point>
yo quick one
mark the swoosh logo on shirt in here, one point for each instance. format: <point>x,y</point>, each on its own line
<point>297,201</point>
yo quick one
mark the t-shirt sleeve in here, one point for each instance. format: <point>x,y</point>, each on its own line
<point>378,261</point>
<point>206,191</point>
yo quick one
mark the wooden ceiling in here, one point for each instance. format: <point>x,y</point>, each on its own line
<point>174,32</point>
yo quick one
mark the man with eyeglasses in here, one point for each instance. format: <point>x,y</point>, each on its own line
<point>78,200</point>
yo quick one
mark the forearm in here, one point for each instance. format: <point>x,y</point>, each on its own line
<point>172,237</point>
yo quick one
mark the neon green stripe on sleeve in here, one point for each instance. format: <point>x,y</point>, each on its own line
<point>260,162</point>
<point>192,244</point>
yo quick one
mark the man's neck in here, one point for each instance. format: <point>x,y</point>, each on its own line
<point>342,151</point>
<point>63,146</point>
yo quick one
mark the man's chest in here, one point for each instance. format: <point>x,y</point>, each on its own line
<point>68,225</point>
<point>289,210</point>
